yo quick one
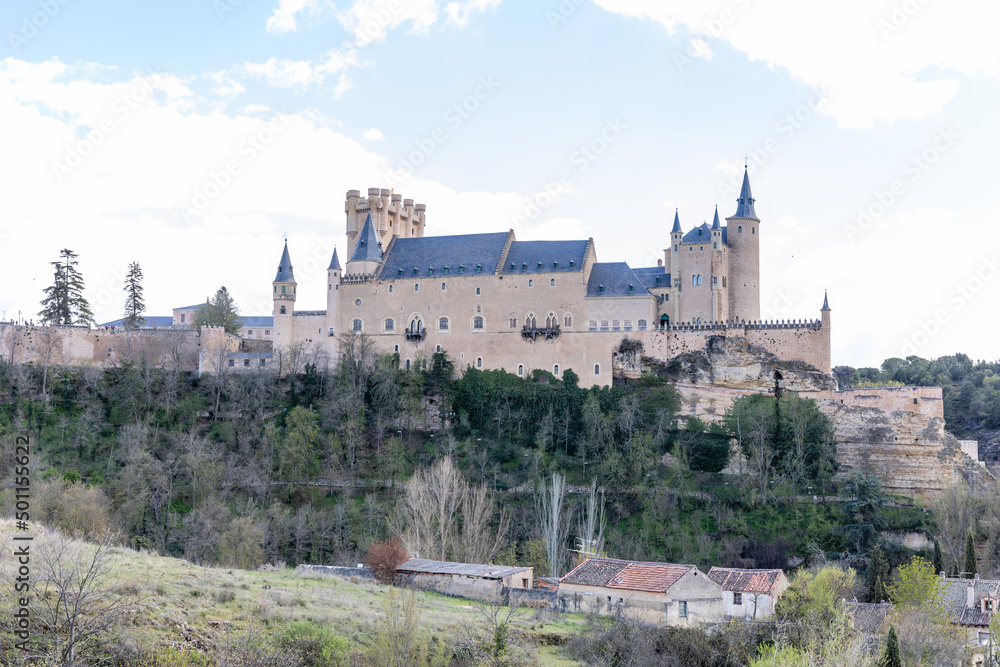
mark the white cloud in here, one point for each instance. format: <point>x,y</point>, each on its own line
<point>284,18</point>
<point>459,13</point>
<point>700,49</point>
<point>373,134</point>
<point>876,62</point>
<point>285,73</point>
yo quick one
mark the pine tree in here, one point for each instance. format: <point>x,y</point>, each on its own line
<point>135,306</point>
<point>220,311</point>
<point>878,575</point>
<point>970,556</point>
<point>891,657</point>
<point>938,558</point>
<point>64,302</point>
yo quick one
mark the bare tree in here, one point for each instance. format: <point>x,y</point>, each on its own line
<point>82,606</point>
<point>480,542</point>
<point>592,523</point>
<point>554,527</point>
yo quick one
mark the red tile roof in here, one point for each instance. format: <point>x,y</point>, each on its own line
<point>624,574</point>
<point>747,581</point>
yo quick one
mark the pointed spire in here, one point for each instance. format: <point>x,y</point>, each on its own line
<point>334,261</point>
<point>285,274</point>
<point>368,249</point>
<point>744,205</point>
<point>677,223</point>
<point>715,222</point>
<point>826,304</point>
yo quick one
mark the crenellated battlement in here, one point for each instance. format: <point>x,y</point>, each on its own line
<point>357,278</point>
<point>754,325</point>
<point>391,214</point>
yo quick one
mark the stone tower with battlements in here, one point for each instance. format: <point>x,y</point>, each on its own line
<point>391,216</point>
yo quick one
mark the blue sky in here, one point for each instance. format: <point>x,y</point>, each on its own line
<point>122,118</point>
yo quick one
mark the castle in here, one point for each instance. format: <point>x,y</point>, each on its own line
<point>493,302</point>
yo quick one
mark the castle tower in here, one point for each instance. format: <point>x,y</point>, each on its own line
<point>333,275</point>
<point>391,216</point>
<point>367,253</point>
<point>720,304</point>
<point>743,240</point>
<point>824,314</point>
<point>284,298</point>
<point>672,259</point>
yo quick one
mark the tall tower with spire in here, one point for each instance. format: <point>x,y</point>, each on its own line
<point>367,253</point>
<point>333,275</point>
<point>283,296</point>
<point>720,269</point>
<point>743,239</point>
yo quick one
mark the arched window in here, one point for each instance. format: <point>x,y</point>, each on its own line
<point>477,291</point>
<point>531,282</point>
<point>396,349</point>
<point>443,324</point>
<point>407,364</point>
<point>604,325</point>
<point>552,282</point>
<point>520,369</point>
<point>444,286</point>
<point>479,362</point>
<point>616,325</point>
<point>592,325</point>
<point>438,348</point>
<point>513,323</point>
<point>597,369</point>
<point>628,325</point>
<point>753,230</point>
<point>390,325</point>
<point>390,289</point>
<point>477,323</point>
<point>416,325</point>
<point>555,370</point>
<point>739,230</point>
<point>641,325</point>
<point>567,320</point>
<point>282,310</point>
<point>416,287</point>
<point>356,325</point>
<point>694,280</point>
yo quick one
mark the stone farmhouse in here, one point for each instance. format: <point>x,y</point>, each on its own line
<point>749,594</point>
<point>657,593</point>
<point>465,579</point>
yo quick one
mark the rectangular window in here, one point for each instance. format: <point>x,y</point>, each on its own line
<point>232,363</point>
<point>682,609</point>
<point>246,362</point>
<point>592,326</point>
<point>267,332</point>
<point>737,598</point>
<point>182,317</point>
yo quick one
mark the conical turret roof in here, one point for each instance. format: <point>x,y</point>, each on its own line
<point>677,223</point>
<point>285,274</point>
<point>334,261</point>
<point>715,223</point>
<point>368,249</point>
<point>744,205</point>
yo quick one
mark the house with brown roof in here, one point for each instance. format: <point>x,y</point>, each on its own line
<point>659,593</point>
<point>749,594</point>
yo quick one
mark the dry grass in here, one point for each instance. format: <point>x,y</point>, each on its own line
<point>208,600</point>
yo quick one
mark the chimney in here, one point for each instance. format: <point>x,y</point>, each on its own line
<point>970,595</point>
<point>659,262</point>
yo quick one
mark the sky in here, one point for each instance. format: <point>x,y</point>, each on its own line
<point>192,136</point>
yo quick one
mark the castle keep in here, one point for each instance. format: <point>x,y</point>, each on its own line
<point>492,301</point>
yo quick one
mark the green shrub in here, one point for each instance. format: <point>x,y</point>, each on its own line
<point>314,644</point>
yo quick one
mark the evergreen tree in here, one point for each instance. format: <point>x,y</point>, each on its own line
<point>878,575</point>
<point>938,558</point>
<point>64,302</point>
<point>970,556</point>
<point>891,657</point>
<point>135,305</point>
<point>220,311</point>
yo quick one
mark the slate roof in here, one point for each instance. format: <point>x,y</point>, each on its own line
<point>151,321</point>
<point>626,574</point>
<point>284,274</point>
<point>649,274</point>
<point>715,221</point>
<point>425,566</point>
<point>677,223</point>
<point>744,205</point>
<point>334,261</point>
<point>705,236</point>
<point>368,248</point>
<point>554,256</point>
<point>615,278</point>
<point>747,581</point>
<point>955,595</point>
<point>826,304</point>
<point>868,617</point>
<point>439,252</point>
<point>258,321</point>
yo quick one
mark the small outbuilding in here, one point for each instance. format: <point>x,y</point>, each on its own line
<point>465,579</point>
<point>649,592</point>
<point>749,594</point>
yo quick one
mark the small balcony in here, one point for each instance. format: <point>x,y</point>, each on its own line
<point>534,333</point>
<point>415,335</point>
